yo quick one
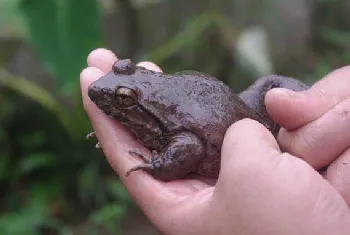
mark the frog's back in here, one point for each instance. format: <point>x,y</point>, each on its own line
<point>209,108</point>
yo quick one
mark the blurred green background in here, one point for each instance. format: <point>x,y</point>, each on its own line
<point>52,180</point>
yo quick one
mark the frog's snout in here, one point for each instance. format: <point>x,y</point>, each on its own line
<point>100,94</point>
<point>93,92</point>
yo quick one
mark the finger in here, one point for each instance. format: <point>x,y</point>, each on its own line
<point>321,141</point>
<point>116,142</point>
<point>248,147</point>
<point>306,106</point>
<point>255,174</point>
<point>338,175</point>
<point>258,180</point>
<point>102,59</point>
<point>150,66</point>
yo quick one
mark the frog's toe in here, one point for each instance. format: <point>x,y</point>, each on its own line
<point>98,145</point>
<point>90,135</point>
<point>143,156</point>
<point>145,167</point>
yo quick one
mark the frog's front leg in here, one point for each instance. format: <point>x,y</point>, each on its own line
<point>180,157</point>
<point>93,135</point>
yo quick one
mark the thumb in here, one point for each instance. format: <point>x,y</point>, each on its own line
<point>258,186</point>
<point>248,147</point>
<point>306,106</point>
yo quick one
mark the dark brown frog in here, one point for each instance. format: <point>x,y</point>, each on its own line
<point>182,118</point>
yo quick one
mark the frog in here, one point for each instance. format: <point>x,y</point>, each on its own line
<point>180,117</point>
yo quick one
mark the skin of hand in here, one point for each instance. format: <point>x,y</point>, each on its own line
<point>316,126</point>
<point>259,190</point>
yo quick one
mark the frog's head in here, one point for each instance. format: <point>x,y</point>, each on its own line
<point>120,94</point>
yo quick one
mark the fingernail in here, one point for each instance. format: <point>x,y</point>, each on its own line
<point>287,93</point>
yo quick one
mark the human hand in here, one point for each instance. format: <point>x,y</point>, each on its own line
<point>259,190</point>
<point>316,126</point>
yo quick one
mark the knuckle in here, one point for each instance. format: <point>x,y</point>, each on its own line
<point>303,143</point>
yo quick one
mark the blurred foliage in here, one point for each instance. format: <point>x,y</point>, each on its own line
<point>52,180</point>
<point>51,183</point>
<point>63,32</point>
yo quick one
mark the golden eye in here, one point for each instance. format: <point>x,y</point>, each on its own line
<point>126,97</point>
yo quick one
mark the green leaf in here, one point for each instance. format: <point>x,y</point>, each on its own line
<point>46,191</point>
<point>2,134</point>
<point>10,18</point>
<point>192,32</point>
<point>63,32</point>
<point>87,178</point>
<point>4,167</point>
<point>25,221</point>
<point>108,212</point>
<point>91,184</point>
<point>36,93</point>
<point>35,161</point>
<point>109,217</point>
<point>6,105</point>
<point>117,189</point>
<point>336,37</point>
<point>66,231</point>
<point>33,139</point>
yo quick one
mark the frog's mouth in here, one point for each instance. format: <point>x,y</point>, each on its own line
<point>137,116</point>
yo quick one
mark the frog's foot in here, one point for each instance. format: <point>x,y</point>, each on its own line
<point>143,156</point>
<point>93,135</point>
<point>90,135</point>
<point>181,156</point>
<point>98,145</point>
<point>146,166</point>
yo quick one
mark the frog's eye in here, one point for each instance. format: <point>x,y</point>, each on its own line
<point>126,97</point>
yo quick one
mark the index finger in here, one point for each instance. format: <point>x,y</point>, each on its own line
<point>306,106</point>
<point>115,140</point>
<point>316,122</point>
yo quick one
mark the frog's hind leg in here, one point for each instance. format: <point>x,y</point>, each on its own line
<point>180,157</point>
<point>146,166</point>
<point>143,156</point>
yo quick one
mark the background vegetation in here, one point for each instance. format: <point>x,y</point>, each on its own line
<point>52,180</point>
